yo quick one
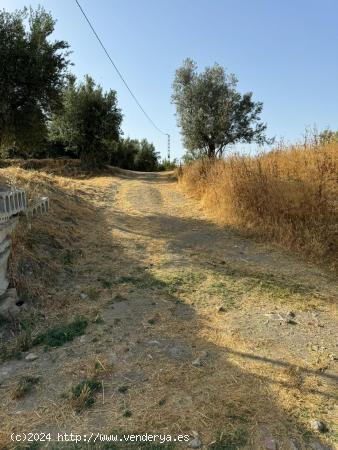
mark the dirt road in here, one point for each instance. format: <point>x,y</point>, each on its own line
<point>193,329</point>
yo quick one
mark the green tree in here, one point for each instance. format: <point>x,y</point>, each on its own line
<point>32,72</point>
<point>211,113</point>
<point>133,154</point>
<point>146,159</point>
<point>328,136</point>
<point>123,154</point>
<point>89,123</point>
<point>168,165</point>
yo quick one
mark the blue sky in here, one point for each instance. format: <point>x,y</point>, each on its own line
<point>284,51</point>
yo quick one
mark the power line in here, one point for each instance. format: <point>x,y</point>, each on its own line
<point>121,76</point>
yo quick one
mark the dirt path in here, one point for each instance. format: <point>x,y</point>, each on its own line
<point>193,328</point>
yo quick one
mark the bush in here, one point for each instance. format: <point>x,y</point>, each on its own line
<point>168,165</point>
<point>289,195</point>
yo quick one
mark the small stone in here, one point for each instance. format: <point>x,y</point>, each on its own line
<point>271,444</point>
<point>83,296</point>
<point>197,362</point>
<point>31,357</point>
<point>221,309</point>
<point>319,426</point>
<point>195,443</point>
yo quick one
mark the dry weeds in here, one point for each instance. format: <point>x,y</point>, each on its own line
<point>288,195</point>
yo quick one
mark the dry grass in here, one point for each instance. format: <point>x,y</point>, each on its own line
<point>288,195</point>
<point>23,386</point>
<point>44,246</point>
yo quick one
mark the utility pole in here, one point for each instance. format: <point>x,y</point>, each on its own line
<point>168,147</point>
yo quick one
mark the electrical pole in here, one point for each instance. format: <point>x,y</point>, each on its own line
<point>168,147</point>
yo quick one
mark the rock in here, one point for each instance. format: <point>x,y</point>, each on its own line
<point>83,296</point>
<point>318,426</point>
<point>200,361</point>
<point>195,442</point>
<point>271,444</point>
<point>197,362</point>
<point>31,357</point>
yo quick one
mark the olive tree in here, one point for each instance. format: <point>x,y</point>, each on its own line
<point>211,113</point>
<point>89,123</point>
<point>32,72</point>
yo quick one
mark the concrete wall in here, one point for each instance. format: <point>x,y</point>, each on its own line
<point>13,202</point>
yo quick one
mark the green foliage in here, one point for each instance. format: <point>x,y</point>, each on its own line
<point>89,124</point>
<point>146,159</point>
<point>32,72</point>
<point>168,165</point>
<point>133,154</point>
<point>57,336</point>
<point>211,113</point>
<point>123,154</point>
<point>328,136</point>
<point>85,391</point>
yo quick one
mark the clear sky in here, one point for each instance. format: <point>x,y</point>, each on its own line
<point>284,51</point>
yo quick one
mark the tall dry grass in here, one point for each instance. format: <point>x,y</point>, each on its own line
<point>289,195</point>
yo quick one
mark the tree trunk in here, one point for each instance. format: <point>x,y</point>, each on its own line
<point>211,150</point>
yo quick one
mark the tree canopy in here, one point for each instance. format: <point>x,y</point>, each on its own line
<point>146,159</point>
<point>32,72</point>
<point>133,154</point>
<point>328,136</point>
<point>211,113</point>
<point>89,123</point>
